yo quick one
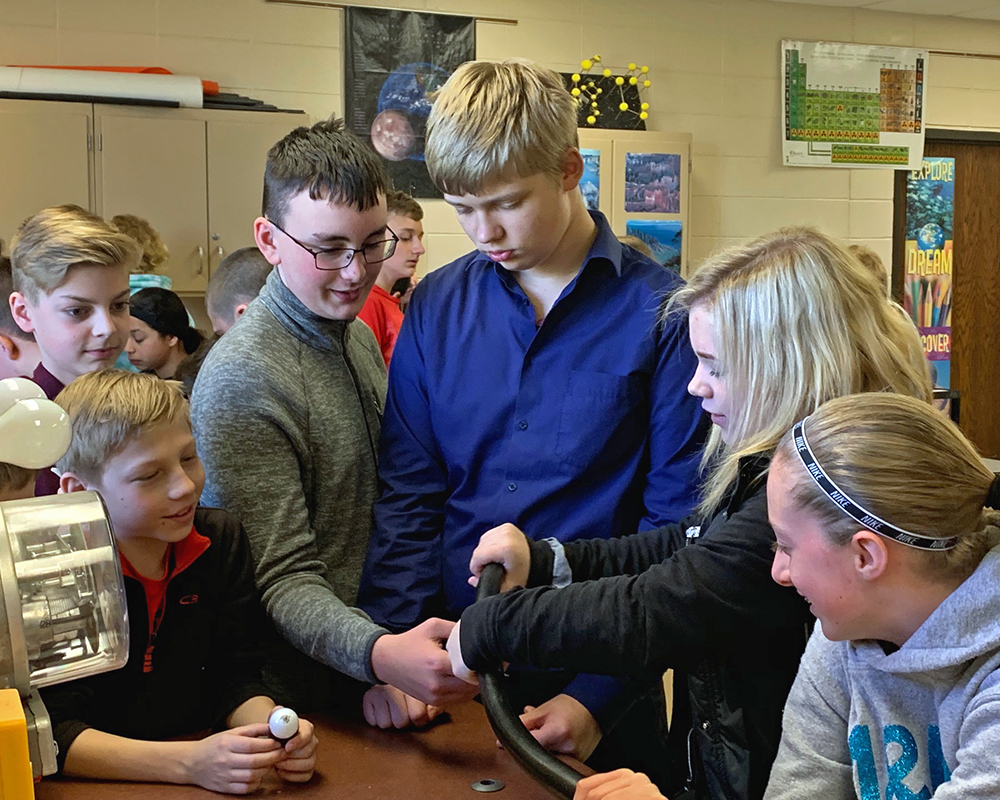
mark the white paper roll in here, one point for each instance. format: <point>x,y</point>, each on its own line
<point>183,89</point>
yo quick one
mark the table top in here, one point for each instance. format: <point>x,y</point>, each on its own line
<point>362,763</point>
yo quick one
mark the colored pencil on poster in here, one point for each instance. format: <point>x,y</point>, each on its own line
<point>936,302</point>
<point>922,303</point>
<point>929,303</point>
<point>915,294</point>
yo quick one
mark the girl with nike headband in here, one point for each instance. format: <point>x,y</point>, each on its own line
<point>883,516</point>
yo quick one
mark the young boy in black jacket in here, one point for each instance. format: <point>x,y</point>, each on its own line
<point>194,616</point>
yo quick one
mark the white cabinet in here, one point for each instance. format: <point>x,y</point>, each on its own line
<point>44,159</point>
<point>196,175</point>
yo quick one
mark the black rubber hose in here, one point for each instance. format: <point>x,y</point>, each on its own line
<point>553,774</point>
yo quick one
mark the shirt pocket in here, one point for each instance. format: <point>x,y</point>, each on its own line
<point>602,422</point>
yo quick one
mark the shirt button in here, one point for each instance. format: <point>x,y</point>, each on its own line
<point>523,425</point>
<point>706,726</point>
<point>511,487</point>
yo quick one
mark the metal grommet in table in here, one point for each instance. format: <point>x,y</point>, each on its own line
<point>488,785</point>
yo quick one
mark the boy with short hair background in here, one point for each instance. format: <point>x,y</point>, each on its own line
<point>70,273</point>
<point>234,285</point>
<point>196,627</point>
<point>532,382</point>
<point>381,311</point>
<point>287,410</point>
<point>19,354</point>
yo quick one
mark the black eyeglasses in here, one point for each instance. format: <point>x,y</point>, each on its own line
<point>334,258</point>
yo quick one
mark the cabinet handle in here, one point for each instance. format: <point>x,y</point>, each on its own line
<point>220,252</point>
<point>201,261</point>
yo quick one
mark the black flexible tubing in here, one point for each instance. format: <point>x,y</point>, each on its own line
<point>559,778</point>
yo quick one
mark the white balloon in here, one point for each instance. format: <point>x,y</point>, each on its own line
<point>34,434</point>
<point>14,389</point>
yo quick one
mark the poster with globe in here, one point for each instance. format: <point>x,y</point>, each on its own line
<point>929,260</point>
<point>394,61</point>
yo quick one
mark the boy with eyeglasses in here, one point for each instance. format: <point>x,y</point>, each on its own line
<point>287,413</point>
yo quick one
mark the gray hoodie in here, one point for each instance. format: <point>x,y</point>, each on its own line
<point>287,414</point>
<point>921,722</point>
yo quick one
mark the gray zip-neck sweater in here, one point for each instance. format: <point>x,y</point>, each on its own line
<point>920,722</point>
<point>287,412</point>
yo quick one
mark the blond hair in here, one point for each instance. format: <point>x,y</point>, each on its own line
<point>499,120</point>
<point>154,249</point>
<point>13,477</point>
<point>55,239</point>
<point>108,409</point>
<point>799,322</point>
<point>905,462</point>
<point>871,261</point>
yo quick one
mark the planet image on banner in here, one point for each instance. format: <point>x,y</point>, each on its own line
<point>930,237</point>
<point>404,105</point>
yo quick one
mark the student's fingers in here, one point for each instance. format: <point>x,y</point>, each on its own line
<point>297,765</point>
<point>306,737</point>
<point>380,715</point>
<point>398,711</point>
<point>433,712</point>
<point>436,628</point>
<point>417,711</point>
<point>531,719</point>
<point>587,788</point>
<point>297,775</point>
<point>253,738</point>
<point>262,761</point>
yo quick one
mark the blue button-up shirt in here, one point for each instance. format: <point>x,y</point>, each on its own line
<point>579,428</point>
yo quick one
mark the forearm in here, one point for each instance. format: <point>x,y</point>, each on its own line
<point>309,615</point>
<point>256,709</point>
<point>94,754</point>
<point>590,559</point>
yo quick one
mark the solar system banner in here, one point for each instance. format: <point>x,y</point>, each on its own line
<point>929,264</point>
<point>394,61</point>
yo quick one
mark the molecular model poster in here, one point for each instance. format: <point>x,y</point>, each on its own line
<point>850,105</point>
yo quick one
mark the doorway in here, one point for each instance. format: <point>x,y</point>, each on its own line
<point>975,326</point>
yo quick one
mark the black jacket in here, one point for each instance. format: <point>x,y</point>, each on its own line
<point>206,660</point>
<point>696,596</point>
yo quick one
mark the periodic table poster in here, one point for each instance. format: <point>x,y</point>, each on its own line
<point>853,105</point>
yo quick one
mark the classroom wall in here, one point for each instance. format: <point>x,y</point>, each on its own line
<point>715,67</point>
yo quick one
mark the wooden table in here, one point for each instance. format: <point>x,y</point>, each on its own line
<point>357,762</point>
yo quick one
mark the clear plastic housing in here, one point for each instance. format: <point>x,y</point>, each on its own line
<point>68,589</point>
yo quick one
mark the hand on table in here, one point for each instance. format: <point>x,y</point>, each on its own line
<point>507,545</point>
<point>388,707</point>
<point>234,761</point>
<point>563,725</point>
<point>622,784</point>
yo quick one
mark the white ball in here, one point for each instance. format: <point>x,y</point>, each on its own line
<point>283,723</point>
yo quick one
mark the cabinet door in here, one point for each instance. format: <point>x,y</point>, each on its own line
<point>44,158</point>
<point>151,162</point>
<point>237,151</point>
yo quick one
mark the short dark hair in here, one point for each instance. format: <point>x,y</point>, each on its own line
<point>329,161</point>
<point>401,203</point>
<point>238,279</point>
<point>7,325</point>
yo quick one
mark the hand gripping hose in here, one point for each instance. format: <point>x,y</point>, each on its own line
<point>553,774</point>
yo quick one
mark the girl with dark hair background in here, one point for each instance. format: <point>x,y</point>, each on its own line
<point>160,334</point>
